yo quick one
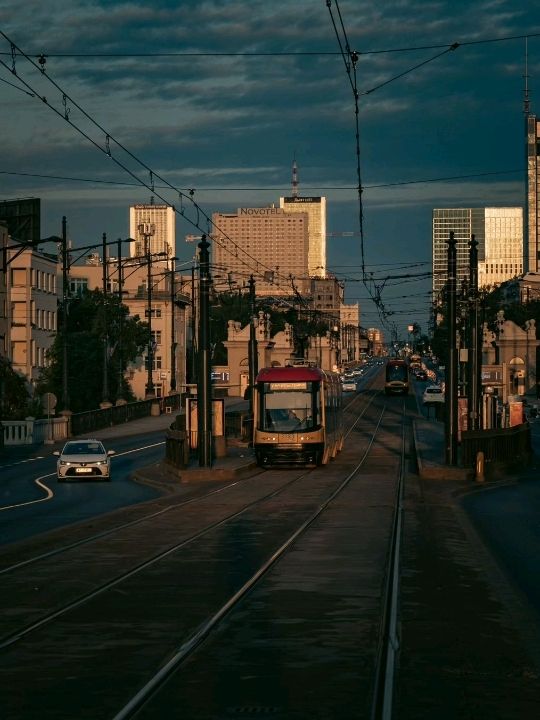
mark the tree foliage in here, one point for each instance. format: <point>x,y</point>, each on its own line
<point>236,306</point>
<point>15,400</point>
<point>98,326</point>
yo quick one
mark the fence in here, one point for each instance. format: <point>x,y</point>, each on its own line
<point>36,432</point>
<point>498,445</point>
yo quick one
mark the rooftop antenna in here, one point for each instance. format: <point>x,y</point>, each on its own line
<point>526,101</point>
<point>294,179</point>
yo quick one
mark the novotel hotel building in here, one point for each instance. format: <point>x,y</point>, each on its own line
<point>268,243</point>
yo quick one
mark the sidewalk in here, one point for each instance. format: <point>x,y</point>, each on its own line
<point>429,442</point>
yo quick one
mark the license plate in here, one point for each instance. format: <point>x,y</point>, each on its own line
<point>83,470</point>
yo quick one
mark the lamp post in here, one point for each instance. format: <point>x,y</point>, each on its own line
<point>252,347</point>
<point>65,393</point>
<point>105,398</point>
<point>204,385</point>
<point>173,335</point>
<point>147,230</point>
<point>451,421</point>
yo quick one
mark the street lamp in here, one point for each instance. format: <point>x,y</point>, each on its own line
<point>173,335</point>
<point>147,230</point>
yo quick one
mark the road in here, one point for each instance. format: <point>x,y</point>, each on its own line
<point>33,502</point>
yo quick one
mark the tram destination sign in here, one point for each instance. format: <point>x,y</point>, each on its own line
<point>288,386</point>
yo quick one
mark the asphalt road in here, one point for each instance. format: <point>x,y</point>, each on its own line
<point>33,502</point>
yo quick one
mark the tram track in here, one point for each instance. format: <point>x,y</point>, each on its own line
<point>127,532</point>
<point>308,494</point>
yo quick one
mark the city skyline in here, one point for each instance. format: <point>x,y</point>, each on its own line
<point>241,95</point>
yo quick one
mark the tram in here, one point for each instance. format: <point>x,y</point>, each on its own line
<point>297,416</point>
<point>397,377</point>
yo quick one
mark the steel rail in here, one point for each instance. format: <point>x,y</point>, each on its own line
<point>191,644</point>
<point>389,642</point>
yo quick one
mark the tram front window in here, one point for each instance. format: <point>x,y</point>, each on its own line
<point>288,411</point>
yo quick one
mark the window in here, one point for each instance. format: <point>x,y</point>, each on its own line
<point>78,286</point>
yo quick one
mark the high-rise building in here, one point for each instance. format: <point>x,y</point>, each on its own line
<point>315,208</point>
<point>503,246</point>
<point>532,215</point>
<point>155,222</point>
<point>499,233</point>
<point>266,242</point>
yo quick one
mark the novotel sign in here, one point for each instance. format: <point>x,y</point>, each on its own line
<point>261,211</point>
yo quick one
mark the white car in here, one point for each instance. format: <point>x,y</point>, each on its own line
<point>433,394</point>
<point>83,459</point>
<point>348,385</point>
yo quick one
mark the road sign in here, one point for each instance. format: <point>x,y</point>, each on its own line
<point>49,401</point>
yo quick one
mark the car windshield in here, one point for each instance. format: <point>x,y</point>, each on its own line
<point>83,448</point>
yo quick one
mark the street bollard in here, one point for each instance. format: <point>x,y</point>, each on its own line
<point>480,467</point>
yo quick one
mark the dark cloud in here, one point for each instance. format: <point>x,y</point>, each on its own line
<point>210,120</point>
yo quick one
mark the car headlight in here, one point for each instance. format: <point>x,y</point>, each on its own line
<point>63,462</point>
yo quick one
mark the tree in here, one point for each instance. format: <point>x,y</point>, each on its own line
<point>92,320</point>
<point>15,401</point>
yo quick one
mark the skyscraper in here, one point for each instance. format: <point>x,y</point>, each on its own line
<point>159,225</point>
<point>315,207</point>
<point>499,233</point>
<point>263,242</point>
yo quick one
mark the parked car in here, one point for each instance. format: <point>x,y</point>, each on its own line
<point>83,459</point>
<point>433,394</point>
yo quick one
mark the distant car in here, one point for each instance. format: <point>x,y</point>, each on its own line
<point>421,375</point>
<point>348,385</point>
<point>83,459</point>
<point>433,394</point>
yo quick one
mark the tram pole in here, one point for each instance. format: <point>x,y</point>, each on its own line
<point>451,388</point>
<point>204,379</point>
<point>474,364</point>
<point>252,347</point>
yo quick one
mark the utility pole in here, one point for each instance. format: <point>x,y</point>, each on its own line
<point>193,358</point>
<point>119,394</point>
<point>105,399</point>
<point>65,393</point>
<point>474,367</point>
<point>204,380</point>
<point>451,424</point>
<point>173,337</point>
<point>252,347</point>
<point>147,230</point>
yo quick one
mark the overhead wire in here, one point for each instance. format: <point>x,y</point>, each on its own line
<point>107,151</point>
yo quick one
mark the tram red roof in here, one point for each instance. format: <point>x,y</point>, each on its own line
<point>291,373</point>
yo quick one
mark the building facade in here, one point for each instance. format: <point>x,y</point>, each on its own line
<point>169,326</point>
<point>503,246</point>
<point>315,208</point>
<point>32,282</point>
<point>532,217</point>
<point>155,222</point>
<point>266,242</point>
<point>499,233</point>
<point>4,299</point>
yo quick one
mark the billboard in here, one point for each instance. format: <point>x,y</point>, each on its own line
<point>23,219</point>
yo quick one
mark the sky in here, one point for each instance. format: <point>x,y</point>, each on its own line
<point>219,97</point>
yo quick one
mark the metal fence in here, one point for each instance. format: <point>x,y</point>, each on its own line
<point>83,423</point>
<point>508,445</point>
